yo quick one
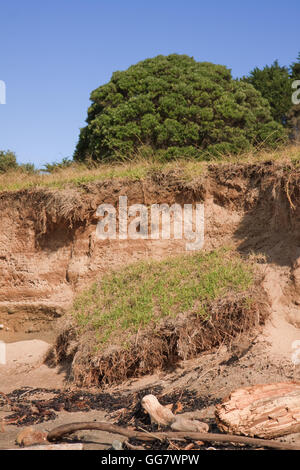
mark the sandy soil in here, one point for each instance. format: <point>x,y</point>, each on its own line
<point>24,367</point>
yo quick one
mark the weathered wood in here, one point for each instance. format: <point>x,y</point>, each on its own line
<point>266,410</point>
<point>61,431</point>
<point>57,433</point>
<point>163,416</point>
<point>159,414</point>
<point>183,424</point>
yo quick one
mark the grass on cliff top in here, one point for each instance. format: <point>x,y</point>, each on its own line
<point>79,174</point>
<point>144,293</point>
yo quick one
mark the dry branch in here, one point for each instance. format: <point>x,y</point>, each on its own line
<point>266,411</point>
<point>61,431</point>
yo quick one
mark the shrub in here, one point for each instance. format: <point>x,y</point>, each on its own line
<point>27,168</point>
<point>8,161</point>
<point>56,166</point>
<point>176,106</point>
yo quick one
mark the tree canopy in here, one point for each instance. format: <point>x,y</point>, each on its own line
<point>295,69</point>
<point>175,106</point>
<point>274,84</point>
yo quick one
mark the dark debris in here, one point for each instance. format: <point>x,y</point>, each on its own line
<point>123,409</point>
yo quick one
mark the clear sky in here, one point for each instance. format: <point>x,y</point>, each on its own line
<point>55,52</point>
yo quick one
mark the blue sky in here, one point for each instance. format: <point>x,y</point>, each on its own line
<point>54,53</point>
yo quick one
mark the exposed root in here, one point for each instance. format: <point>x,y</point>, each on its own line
<point>164,346</point>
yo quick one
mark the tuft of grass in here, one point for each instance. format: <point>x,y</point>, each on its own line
<point>76,174</point>
<point>145,293</point>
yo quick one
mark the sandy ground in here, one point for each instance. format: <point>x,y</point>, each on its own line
<point>215,375</point>
<point>24,367</point>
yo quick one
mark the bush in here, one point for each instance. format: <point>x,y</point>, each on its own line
<point>56,166</point>
<point>176,105</point>
<point>8,161</point>
<point>27,168</point>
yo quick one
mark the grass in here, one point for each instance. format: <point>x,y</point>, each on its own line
<point>77,175</point>
<point>144,293</point>
<point>74,176</point>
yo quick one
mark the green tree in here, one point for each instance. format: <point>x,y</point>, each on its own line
<point>295,69</point>
<point>274,84</point>
<point>293,120</point>
<point>176,106</point>
<point>293,116</point>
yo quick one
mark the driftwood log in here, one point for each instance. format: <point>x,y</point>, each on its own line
<point>61,431</point>
<point>159,414</point>
<point>266,411</point>
<point>163,416</point>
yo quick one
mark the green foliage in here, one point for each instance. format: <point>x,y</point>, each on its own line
<point>145,292</point>
<point>293,116</point>
<point>27,168</point>
<point>293,121</point>
<point>274,84</point>
<point>295,69</point>
<point>56,166</point>
<point>8,161</point>
<point>178,107</point>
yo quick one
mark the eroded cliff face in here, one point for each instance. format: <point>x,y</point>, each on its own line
<point>49,250</point>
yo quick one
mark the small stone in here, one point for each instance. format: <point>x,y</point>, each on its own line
<point>117,445</point>
<point>30,436</point>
